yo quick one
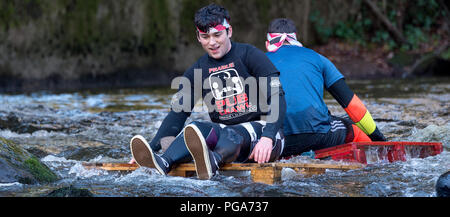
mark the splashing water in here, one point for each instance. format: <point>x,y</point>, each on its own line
<point>67,129</point>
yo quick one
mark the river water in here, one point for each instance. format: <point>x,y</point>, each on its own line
<point>66,129</point>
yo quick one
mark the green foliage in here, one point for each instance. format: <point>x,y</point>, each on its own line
<point>416,21</point>
<point>6,15</point>
<point>158,37</point>
<point>352,30</point>
<point>446,54</point>
<point>80,27</point>
<point>324,32</point>
<point>186,21</point>
<point>263,8</point>
<point>14,13</point>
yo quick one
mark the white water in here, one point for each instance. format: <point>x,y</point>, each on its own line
<point>76,127</point>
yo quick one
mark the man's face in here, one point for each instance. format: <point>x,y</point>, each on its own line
<point>216,44</point>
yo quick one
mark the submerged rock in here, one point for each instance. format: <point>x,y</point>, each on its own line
<point>433,133</point>
<point>443,185</point>
<point>70,192</point>
<point>18,165</point>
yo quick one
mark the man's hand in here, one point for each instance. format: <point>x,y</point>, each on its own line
<point>262,151</point>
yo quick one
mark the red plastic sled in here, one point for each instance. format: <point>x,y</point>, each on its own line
<point>371,152</point>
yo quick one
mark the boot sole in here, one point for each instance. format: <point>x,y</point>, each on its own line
<point>199,151</point>
<point>143,154</point>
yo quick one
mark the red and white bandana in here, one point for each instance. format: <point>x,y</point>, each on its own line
<point>218,28</point>
<point>276,40</point>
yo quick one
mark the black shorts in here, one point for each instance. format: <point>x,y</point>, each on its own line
<point>296,144</point>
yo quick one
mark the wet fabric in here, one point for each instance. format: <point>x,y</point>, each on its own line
<point>224,91</point>
<point>296,144</point>
<point>355,109</point>
<point>229,143</point>
<point>304,74</point>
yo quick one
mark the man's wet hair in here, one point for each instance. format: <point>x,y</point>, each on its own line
<point>210,16</point>
<point>282,25</point>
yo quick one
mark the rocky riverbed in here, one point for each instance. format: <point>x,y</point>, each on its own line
<point>62,130</point>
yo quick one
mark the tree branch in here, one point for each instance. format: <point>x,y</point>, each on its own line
<point>391,28</point>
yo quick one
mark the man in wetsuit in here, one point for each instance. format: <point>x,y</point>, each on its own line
<point>304,74</point>
<point>245,101</point>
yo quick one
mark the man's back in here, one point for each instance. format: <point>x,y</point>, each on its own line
<point>304,74</point>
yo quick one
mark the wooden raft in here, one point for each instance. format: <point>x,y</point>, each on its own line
<point>267,173</point>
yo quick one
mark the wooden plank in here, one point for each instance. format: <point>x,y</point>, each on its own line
<point>111,166</point>
<point>267,173</point>
<point>308,172</point>
<point>226,167</point>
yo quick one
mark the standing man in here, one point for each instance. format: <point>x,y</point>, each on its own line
<point>227,77</point>
<point>304,74</point>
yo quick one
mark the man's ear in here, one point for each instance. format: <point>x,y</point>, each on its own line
<point>230,32</point>
<point>198,36</point>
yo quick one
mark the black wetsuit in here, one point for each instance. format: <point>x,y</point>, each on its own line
<point>231,103</point>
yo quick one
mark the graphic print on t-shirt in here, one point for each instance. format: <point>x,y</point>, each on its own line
<point>228,91</point>
<point>225,84</point>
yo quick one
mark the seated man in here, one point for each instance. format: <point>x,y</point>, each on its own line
<point>237,131</point>
<point>304,74</point>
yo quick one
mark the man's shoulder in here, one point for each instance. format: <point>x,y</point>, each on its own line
<point>199,64</point>
<point>301,52</point>
<point>304,50</point>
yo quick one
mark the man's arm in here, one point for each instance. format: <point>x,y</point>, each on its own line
<point>336,85</point>
<point>277,106</point>
<point>277,103</point>
<point>355,109</point>
<point>171,126</point>
<point>181,107</point>
<point>262,68</point>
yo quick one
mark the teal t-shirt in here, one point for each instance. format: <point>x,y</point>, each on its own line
<point>304,74</point>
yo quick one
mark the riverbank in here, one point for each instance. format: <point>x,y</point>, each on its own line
<point>73,45</point>
<point>354,62</point>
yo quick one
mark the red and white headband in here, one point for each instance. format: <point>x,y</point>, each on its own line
<point>217,28</point>
<point>276,40</point>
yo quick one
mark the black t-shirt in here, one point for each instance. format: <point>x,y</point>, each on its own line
<point>228,90</point>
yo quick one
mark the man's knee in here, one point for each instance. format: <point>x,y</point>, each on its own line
<point>229,145</point>
<point>196,123</point>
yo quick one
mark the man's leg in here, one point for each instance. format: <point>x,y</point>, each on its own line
<point>303,142</point>
<point>236,143</point>
<point>232,142</point>
<point>176,153</point>
<point>146,157</point>
<point>337,135</point>
<point>200,143</point>
<point>342,131</point>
